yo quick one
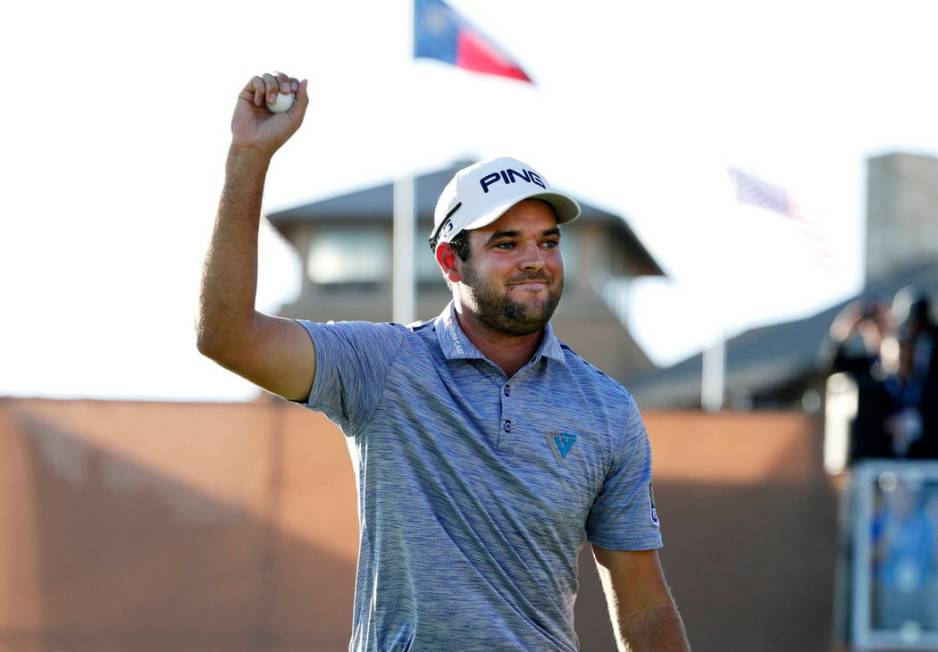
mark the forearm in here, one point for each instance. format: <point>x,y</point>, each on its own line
<point>657,630</point>
<point>229,275</point>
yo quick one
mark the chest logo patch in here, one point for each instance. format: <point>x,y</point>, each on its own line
<point>560,444</point>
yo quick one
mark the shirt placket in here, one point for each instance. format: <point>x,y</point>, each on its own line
<point>513,406</point>
<point>508,423</point>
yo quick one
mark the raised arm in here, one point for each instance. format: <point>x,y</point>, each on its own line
<point>644,616</point>
<point>272,352</point>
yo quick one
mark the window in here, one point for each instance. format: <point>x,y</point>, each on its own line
<point>350,255</point>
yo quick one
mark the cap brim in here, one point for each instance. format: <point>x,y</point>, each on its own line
<point>565,208</point>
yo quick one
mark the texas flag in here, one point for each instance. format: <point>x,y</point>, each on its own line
<point>441,33</point>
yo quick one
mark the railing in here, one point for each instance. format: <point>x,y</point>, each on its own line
<point>893,587</point>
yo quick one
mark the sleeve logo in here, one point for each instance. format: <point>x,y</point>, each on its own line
<point>651,501</point>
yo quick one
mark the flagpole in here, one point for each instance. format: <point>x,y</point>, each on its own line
<point>713,374</point>
<point>442,32</point>
<point>403,291</point>
<point>403,282</point>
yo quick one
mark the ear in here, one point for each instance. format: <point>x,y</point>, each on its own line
<point>447,259</point>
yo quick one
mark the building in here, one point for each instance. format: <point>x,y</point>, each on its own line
<point>901,212</point>
<point>344,243</point>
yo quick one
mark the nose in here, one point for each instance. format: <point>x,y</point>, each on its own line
<point>532,258</point>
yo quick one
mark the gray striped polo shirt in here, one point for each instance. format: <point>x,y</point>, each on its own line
<point>475,489</point>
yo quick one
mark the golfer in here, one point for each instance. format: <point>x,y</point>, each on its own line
<point>485,449</point>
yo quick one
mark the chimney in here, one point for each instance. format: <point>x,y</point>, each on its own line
<point>901,213</point>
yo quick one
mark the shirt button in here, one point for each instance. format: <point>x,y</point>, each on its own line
<point>507,390</point>
<point>507,425</point>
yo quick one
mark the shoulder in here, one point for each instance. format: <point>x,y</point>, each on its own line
<point>601,388</point>
<point>597,379</point>
<point>424,334</point>
<point>343,338</point>
<point>356,329</point>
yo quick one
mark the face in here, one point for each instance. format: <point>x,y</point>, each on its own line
<point>513,279</point>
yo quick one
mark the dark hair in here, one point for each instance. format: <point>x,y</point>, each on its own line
<point>459,244</point>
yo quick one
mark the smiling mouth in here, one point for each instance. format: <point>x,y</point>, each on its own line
<point>534,285</point>
<point>527,280</point>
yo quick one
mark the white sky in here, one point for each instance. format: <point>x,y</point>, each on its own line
<point>116,128</point>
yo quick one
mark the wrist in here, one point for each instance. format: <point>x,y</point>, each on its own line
<point>246,165</point>
<point>245,156</point>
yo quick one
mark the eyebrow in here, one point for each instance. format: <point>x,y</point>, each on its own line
<point>514,234</point>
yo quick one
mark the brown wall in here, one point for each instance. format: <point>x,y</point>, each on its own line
<point>749,522</point>
<point>204,527</point>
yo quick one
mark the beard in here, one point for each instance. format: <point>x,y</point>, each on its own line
<point>495,308</point>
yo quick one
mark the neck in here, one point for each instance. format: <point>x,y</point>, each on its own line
<point>509,352</point>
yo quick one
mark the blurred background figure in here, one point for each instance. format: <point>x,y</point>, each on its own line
<point>908,378</point>
<point>890,354</point>
<point>855,337</point>
<point>853,347</point>
<point>911,310</point>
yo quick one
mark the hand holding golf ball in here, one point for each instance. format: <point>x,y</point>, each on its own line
<point>283,102</point>
<point>269,110</point>
<point>277,91</point>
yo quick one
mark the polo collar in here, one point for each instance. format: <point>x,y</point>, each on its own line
<point>456,346</point>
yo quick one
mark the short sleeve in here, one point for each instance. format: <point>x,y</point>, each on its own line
<point>353,360</point>
<point>623,516</point>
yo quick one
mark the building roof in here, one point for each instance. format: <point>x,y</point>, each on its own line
<point>765,361</point>
<point>374,204</point>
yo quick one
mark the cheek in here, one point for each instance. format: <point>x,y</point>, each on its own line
<point>489,269</point>
<point>555,262</point>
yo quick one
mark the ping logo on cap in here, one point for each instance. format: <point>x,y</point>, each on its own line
<point>509,176</point>
<point>480,193</point>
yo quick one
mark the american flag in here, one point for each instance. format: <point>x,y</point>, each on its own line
<point>756,192</point>
<point>753,191</point>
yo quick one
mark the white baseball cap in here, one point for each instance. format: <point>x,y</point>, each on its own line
<point>481,193</point>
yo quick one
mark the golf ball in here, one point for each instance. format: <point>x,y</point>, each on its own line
<point>283,102</point>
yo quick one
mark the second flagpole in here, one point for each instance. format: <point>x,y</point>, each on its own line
<point>403,272</point>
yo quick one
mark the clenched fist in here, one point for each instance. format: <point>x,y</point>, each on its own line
<point>254,126</point>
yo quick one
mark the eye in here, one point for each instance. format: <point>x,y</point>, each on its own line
<point>552,244</point>
<point>505,245</point>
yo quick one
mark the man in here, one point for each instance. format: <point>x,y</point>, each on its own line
<point>853,347</point>
<point>909,379</point>
<point>483,447</point>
